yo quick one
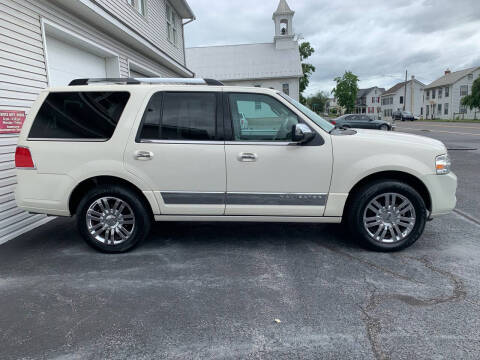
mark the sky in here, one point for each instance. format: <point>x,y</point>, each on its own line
<point>376,40</point>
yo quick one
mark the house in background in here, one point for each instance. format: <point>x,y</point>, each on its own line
<point>274,65</point>
<point>50,42</point>
<point>368,102</point>
<point>394,98</point>
<point>442,98</point>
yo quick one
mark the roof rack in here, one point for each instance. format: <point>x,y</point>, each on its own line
<point>138,81</point>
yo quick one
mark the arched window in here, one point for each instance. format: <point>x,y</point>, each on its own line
<point>284,26</point>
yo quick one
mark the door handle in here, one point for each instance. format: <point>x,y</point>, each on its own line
<point>247,157</point>
<point>143,155</point>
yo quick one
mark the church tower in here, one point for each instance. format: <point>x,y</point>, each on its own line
<point>283,19</point>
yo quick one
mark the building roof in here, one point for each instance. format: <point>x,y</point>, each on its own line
<point>451,78</point>
<point>395,88</point>
<point>244,62</point>
<point>364,92</point>
<point>183,9</point>
<point>283,9</point>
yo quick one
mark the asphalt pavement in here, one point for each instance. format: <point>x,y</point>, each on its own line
<point>215,291</point>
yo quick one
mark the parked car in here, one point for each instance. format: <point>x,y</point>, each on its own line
<point>120,153</point>
<point>359,121</point>
<point>403,115</point>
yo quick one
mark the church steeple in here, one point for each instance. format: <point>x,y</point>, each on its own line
<point>283,19</point>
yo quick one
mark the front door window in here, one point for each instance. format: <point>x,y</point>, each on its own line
<point>258,117</point>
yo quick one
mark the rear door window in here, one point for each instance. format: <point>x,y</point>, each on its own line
<point>183,116</point>
<point>79,115</point>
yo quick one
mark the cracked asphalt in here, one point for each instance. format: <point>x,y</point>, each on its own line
<point>213,291</point>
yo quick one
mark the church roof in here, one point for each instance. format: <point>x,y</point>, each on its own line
<point>283,9</point>
<point>244,62</point>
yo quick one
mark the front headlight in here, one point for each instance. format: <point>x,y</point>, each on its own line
<point>442,164</point>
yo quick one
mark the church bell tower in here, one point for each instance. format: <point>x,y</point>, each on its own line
<point>283,19</point>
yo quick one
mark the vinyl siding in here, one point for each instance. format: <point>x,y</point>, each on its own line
<point>277,84</point>
<point>23,75</point>
<point>152,26</point>
<point>454,99</point>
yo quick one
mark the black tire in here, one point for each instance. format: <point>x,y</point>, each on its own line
<point>384,127</point>
<point>361,199</point>
<point>141,216</point>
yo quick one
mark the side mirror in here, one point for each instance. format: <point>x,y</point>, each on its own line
<point>302,134</point>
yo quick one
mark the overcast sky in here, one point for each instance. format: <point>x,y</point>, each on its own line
<point>377,40</point>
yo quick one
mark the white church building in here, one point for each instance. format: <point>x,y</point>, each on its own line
<point>274,65</point>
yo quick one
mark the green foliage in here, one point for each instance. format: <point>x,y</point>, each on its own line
<point>346,90</point>
<point>473,100</point>
<point>306,50</point>
<point>317,102</point>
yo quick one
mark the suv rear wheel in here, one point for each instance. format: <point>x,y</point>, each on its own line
<point>387,215</point>
<point>112,219</point>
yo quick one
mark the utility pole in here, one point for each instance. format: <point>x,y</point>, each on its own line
<point>405,95</point>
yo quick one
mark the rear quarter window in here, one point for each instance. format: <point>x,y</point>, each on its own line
<point>79,115</point>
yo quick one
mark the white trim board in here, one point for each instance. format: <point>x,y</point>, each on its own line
<point>49,28</point>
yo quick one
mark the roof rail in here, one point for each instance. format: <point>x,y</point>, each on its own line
<point>138,81</point>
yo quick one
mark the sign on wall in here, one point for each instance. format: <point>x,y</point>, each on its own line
<point>11,121</point>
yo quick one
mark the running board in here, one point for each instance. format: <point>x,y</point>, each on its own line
<point>226,218</point>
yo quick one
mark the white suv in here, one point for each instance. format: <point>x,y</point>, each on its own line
<point>122,152</point>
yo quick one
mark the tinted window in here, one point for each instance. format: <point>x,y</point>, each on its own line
<point>258,117</point>
<point>180,116</point>
<point>79,115</point>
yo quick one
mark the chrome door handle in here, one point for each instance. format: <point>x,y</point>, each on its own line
<point>247,157</point>
<point>143,155</point>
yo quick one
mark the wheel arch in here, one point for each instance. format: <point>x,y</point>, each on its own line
<point>90,183</point>
<point>404,177</point>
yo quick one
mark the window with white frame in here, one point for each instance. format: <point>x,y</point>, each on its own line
<point>445,109</point>
<point>447,91</point>
<point>463,90</point>
<point>440,91</point>
<point>286,89</point>
<point>470,76</point>
<point>172,20</point>
<point>139,5</point>
<point>463,109</point>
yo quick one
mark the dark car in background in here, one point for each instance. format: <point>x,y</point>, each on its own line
<point>360,121</point>
<point>403,115</point>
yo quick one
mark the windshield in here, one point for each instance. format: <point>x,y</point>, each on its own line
<point>324,124</point>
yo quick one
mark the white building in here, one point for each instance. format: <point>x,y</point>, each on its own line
<point>442,97</point>
<point>273,65</point>
<point>368,102</point>
<point>50,42</point>
<point>394,98</point>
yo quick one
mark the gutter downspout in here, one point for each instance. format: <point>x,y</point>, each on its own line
<point>183,37</point>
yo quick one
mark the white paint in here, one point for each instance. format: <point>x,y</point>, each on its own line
<point>66,63</point>
<point>333,168</point>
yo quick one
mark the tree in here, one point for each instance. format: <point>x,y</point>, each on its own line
<point>306,50</point>
<point>473,100</point>
<point>346,90</point>
<point>317,102</point>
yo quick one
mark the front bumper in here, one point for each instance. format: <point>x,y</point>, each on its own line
<point>442,190</point>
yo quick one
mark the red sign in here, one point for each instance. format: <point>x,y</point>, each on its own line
<point>11,121</point>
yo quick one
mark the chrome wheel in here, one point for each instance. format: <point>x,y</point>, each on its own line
<point>389,218</point>
<point>110,220</point>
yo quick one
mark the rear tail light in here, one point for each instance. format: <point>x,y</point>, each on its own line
<point>333,122</point>
<point>23,158</point>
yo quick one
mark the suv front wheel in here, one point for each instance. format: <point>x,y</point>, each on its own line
<point>387,215</point>
<point>112,219</point>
